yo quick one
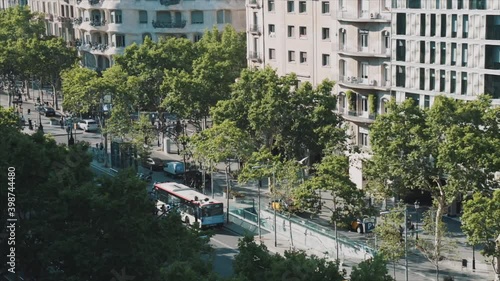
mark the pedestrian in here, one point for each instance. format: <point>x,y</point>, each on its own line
<point>61,122</point>
<point>29,111</point>
<point>101,146</point>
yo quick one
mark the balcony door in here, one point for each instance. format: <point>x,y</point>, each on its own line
<point>364,72</point>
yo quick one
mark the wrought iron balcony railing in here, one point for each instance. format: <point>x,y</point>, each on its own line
<point>254,28</point>
<point>254,56</point>
<point>94,2</point>
<point>78,21</point>
<point>167,24</point>
<point>98,23</point>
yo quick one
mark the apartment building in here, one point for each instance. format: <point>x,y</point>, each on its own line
<point>103,28</point>
<point>378,49</point>
<point>345,41</point>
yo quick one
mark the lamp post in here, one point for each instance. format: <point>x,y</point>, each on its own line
<point>417,205</point>
<point>227,192</point>
<point>406,243</point>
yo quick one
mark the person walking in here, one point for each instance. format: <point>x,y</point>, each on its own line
<point>29,111</point>
<point>61,122</point>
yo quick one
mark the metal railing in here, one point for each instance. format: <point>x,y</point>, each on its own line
<point>169,2</point>
<point>254,56</point>
<point>169,24</point>
<point>254,28</point>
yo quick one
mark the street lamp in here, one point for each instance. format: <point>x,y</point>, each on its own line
<point>417,205</point>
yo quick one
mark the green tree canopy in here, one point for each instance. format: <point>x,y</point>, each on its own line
<point>286,119</point>
<point>373,269</point>
<point>19,22</point>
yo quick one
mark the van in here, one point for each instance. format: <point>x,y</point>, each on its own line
<point>174,169</point>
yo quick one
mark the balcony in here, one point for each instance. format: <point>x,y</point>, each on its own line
<point>169,2</point>
<point>357,116</point>
<point>96,47</point>
<point>363,52</point>
<point>49,17</point>
<point>169,24</point>
<point>97,23</point>
<point>77,21</point>
<point>363,83</point>
<point>255,29</point>
<point>255,57</point>
<point>362,16</point>
<point>95,2</point>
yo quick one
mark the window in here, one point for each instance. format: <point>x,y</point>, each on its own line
<point>443,53</point>
<point>433,24</point>
<point>422,25</point>
<point>342,5</point>
<point>197,37</point>
<point>303,57</point>
<point>272,54</point>
<point>443,25</point>
<point>464,83</point>
<point>364,104</point>
<point>477,4</point>
<point>272,30</point>
<point>291,56</point>
<point>325,33</point>
<point>116,16</point>
<point>454,26</point>
<point>433,52</point>
<point>325,7</point>
<point>442,80</point>
<point>432,79</point>
<point>453,53</point>
<point>449,5</point>
<point>422,51</point>
<point>270,5</point>
<point>302,7</point>
<point>364,71</point>
<point>363,38</point>
<point>302,31</point>
<point>401,24</point>
<point>196,17</point>
<point>427,101</point>
<point>291,31</point>
<point>400,76</point>
<point>460,4</point>
<point>143,17</point>
<point>453,82</point>
<point>465,26</point>
<point>120,40</point>
<point>220,16</point>
<point>290,6</point>
<point>387,41</point>
<point>465,54</point>
<point>363,139</point>
<point>325,59</point>
<point>400,50</point>
<point>228,18</point>
<point>422,78</point>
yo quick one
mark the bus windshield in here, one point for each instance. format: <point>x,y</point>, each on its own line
<point>212,210</point>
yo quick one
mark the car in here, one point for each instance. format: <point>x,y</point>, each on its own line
<point>174,169</point>
<point>153,163</point>
<point>363,225</point>
<point>48,111</point>
<point>88,125</point>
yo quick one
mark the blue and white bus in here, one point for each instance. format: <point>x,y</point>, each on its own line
<point>192,205</point>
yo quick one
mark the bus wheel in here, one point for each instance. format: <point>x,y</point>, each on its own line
<point>186,220</point>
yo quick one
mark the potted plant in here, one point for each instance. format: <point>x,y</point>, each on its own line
<point>372,104</point>
<point>350,100</point>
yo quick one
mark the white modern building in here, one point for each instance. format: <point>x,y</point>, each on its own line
<point>378,49</point>
<point>103,28</point>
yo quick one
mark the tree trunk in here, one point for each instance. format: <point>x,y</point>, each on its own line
<point>497,267</point>
<point>437,234</point>
<point>26,82</point>
<point>394,269</point>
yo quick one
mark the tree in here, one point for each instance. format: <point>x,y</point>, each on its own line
<point>8,118</point>
<point>287,119</point>
<point>254,262</point>
<point>480,224</point>
<point>19,22</point>
<point>373,269</point>
<point>432,251</point>
<point>218,144</point>
<point>449,149</point>
<point>388,231</point>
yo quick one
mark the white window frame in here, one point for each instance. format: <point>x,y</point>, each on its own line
<point>303,57</point>
<point>325,7</point>
<point>290,31</point>
<point>325,31</point>
<point>302,34</point>
<point>291,56</point>
<point>325,60</point>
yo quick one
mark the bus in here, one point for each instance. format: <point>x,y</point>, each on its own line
<point>192,205</point>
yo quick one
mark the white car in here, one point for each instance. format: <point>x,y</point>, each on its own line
<point>88,125</point>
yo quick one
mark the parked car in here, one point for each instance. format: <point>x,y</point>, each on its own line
<point>153,163</point>
<point>88,125</point>
<point>174,169</point>
<point>48,111</point>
